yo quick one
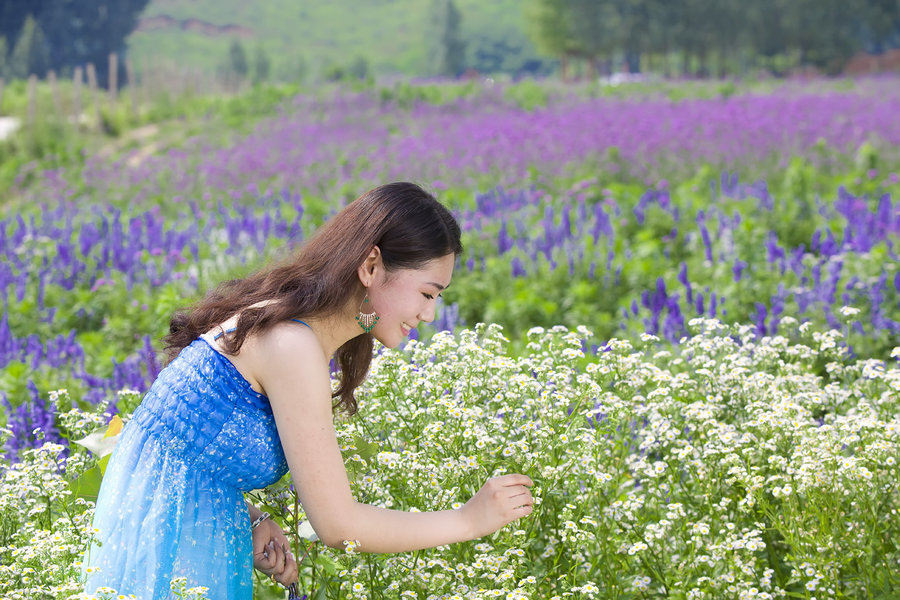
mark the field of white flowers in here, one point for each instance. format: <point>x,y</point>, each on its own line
<point>727,466</point>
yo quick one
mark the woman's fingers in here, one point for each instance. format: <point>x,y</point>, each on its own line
<point>271,559</point>
<point>290,572</point>
<point>513,487</point>
<point>500,501</point>
<point>275,559</point>
<point>514,479</point>
<point>276,551</point>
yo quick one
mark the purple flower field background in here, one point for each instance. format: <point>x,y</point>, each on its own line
<point>627,215</point>
<point>335,142</point>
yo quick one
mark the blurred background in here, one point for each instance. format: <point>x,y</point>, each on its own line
<point>221,44</point>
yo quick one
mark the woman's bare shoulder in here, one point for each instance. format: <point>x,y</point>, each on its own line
<point>286,356</point>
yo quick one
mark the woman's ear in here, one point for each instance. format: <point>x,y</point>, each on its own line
<point>370,266</point>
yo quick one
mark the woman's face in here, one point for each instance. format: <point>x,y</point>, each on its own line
<point>406,297</point>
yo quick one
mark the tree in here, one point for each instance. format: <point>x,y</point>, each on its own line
<point>881,19</point>
<point>359,68</point>
<point>4,57</point>
<point>86,31</point>
<point>634,25</point>
<point>262,66</point>
<point>30,56</point>
<point>237,60</point>
<point>714,36</point>
<point>13,14</point>
<point>765,32</point>
<point>595,30</point>
<point>447,51</point>
<point>548,26</point>
<point>663,30</point>
<point>820,31</point>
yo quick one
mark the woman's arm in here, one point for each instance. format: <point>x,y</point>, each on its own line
<point>290,365</point>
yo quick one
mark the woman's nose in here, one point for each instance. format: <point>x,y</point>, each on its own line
<point>428,312</point>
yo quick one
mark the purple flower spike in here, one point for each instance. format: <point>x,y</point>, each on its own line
<point>683,278</point>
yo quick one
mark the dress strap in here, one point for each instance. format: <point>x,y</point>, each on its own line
<point>221,333</point>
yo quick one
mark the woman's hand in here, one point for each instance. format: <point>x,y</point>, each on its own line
<point>500,501</point>
<point>272,553</point>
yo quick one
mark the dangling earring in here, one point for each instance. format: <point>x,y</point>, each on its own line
<point>366,320</point>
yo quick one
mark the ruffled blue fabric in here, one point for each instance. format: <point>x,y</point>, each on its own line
<point>171,503</point>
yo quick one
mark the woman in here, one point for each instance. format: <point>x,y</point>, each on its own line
<point>247,396</point>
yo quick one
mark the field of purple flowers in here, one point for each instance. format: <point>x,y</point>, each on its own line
<point>630,215</point>
<point>626,215</point>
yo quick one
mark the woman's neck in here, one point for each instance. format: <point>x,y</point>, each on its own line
<point>334,331</point>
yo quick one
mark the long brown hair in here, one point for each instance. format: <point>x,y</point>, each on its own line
<point>407,223</point>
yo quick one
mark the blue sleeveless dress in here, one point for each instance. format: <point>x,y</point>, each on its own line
<point>171,503</point>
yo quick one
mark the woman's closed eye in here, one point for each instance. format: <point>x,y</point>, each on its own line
<point>431,296</point>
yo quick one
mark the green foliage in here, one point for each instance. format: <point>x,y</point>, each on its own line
<point>262,66</point>
<point>549,26</point>
<point>30,55</point>
<point>74,33</point>
<point>356,74</point>
<point>446,48</point>
<point>237,60</point>
<point>4,59</point>
<point>55,141</point>
<point>359,68</point>
<point>528,94</point>
<point>293,70</point>
<point>49,142</point>
<point>332,33</point>
<point>406,95</point>
<point>713,36</point>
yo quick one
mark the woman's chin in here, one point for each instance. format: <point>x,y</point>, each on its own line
<point>390,341</point>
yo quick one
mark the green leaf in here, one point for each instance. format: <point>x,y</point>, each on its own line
<point>87,485</point>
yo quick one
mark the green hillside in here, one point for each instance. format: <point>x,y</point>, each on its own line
<point>391,35</point>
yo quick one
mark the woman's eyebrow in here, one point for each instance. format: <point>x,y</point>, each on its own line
<point>438,286</point>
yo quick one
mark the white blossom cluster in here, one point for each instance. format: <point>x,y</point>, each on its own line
<point>727,466</point>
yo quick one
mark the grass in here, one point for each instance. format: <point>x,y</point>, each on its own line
<point>390,34</point>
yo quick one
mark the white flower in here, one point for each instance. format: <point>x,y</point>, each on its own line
<point>641,582</point>
<point>637,547</point>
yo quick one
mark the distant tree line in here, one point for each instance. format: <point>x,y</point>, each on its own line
<point>711,37</point>
<point>39,35</point>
